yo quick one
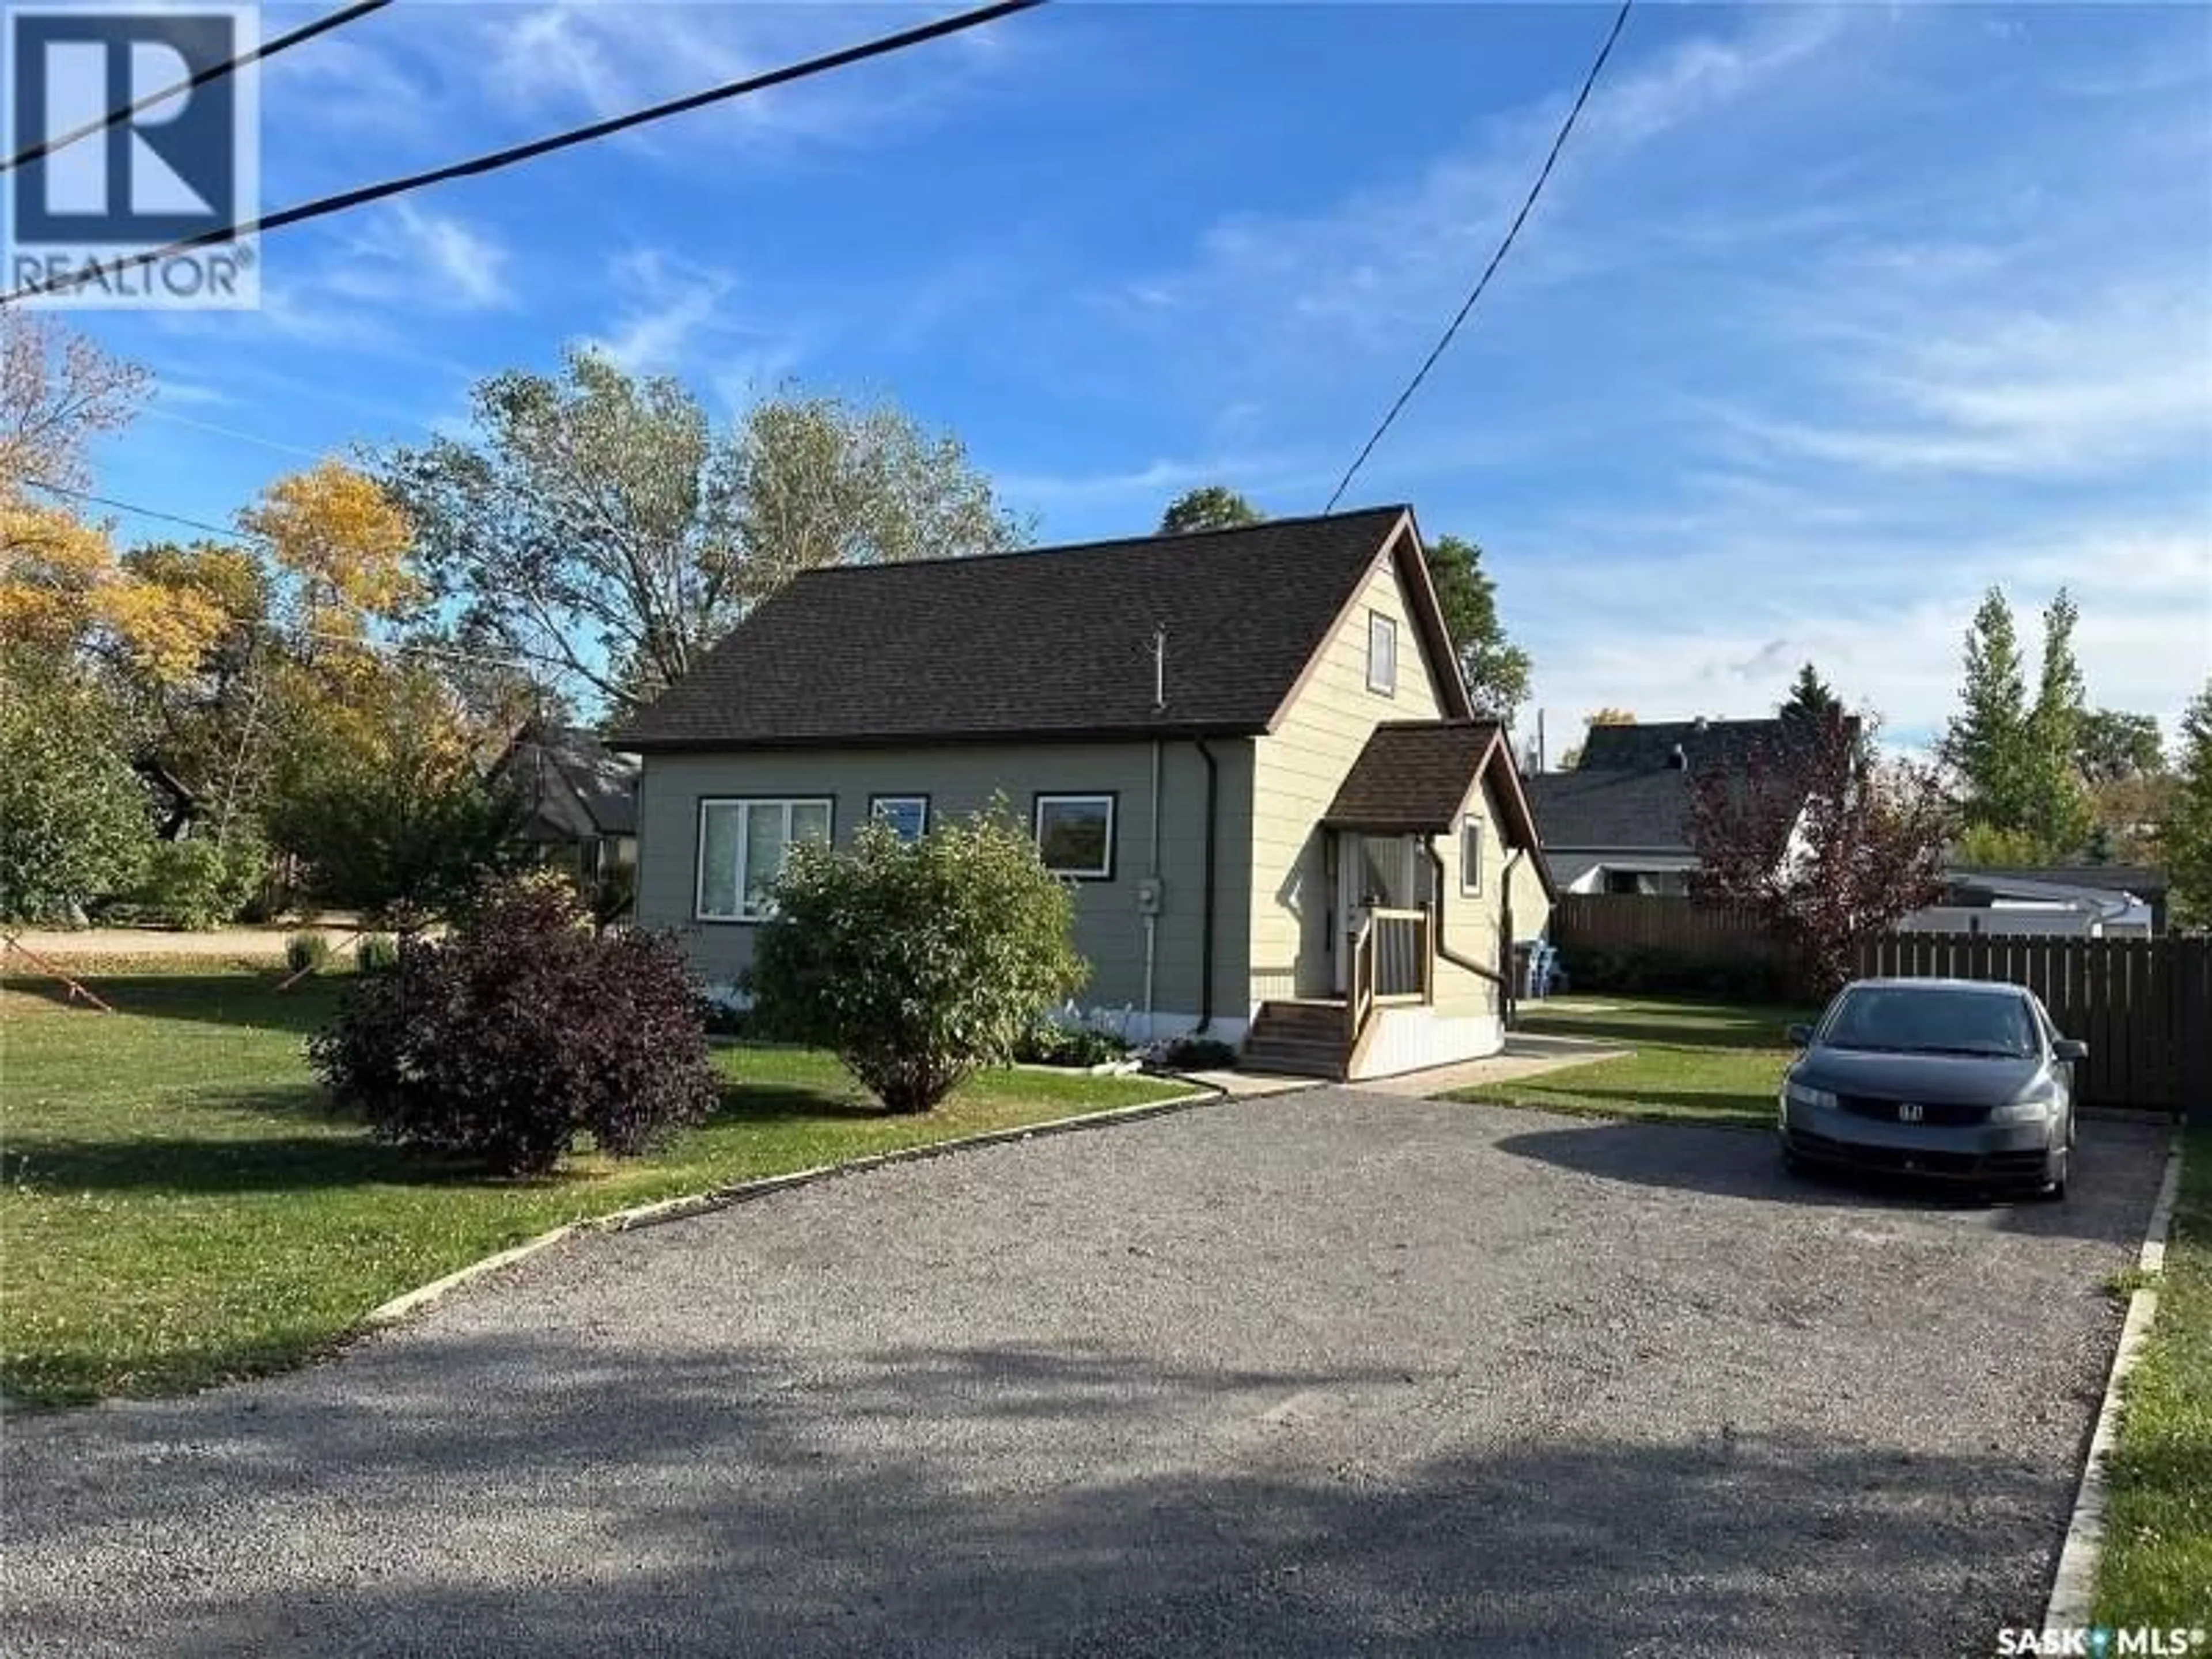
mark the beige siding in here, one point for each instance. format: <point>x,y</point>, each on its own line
<point>1109,931</point>
<point>1295,772</point>
<point>1473,923</point>
<point>1532,910</point>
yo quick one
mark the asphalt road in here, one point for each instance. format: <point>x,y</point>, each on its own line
<point>1325,1374</point>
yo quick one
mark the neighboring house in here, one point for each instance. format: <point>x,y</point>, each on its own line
<point>1248,749</point>
<point>1619,821</point>
<point>579,797</point>
<point>2089,901</point>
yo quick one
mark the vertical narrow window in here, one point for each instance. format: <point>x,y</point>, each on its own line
<point>1382,653</point>
<point>1470,855</point>
<point>742,847</point>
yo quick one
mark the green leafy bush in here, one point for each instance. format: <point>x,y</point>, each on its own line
<point>519,1031</point>
<point>916,963</point>
<point>1638,970</point>
<point>1050,1042</point>
<point>307,953</point>
<point>75,825</point>
<point>204,883</point>
<point>1197,1053</point>
<point>376,953</point>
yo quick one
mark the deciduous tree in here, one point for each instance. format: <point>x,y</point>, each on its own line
<point>58,392</point>
<point>599,518</point>
<point>75,825</point>
<point>2111,744</point>
<point>1831,849</point>
<point>1495,669</point>
<point>2185,835</point>
<point>1209,507</point>
<point>2058,812</point>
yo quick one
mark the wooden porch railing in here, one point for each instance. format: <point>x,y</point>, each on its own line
<point>1391,958</point>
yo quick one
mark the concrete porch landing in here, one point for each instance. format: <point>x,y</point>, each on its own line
<point>1525,1054</point>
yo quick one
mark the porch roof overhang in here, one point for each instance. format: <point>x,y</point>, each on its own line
<point>1412,777</point>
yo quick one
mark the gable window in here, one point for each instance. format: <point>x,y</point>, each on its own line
<point>907,815</point>
<point>1470,855</point>
<point>1382,653</point>
<point>743,845</point>
<point>1075,835</point>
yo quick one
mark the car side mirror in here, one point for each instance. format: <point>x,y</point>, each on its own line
<point>2069,1049</point>
<point>1800,1037</point>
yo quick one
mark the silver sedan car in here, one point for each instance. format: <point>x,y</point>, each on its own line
<point>1959,1080</point>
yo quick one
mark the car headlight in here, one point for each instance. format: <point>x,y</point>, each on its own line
<point>2028,1109</point>
<point>1819,1100</point>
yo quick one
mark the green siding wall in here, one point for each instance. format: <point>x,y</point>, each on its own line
<point>1109,931</point>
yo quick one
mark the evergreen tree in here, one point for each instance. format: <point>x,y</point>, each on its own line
<point>1811,699</point>
<point>2059,810</point>
<point>1987,743</point>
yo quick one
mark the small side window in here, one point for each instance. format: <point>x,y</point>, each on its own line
<point>1382,653</point>
<point>1470,856</point>
<point>907,815</point>
<point>1075,835</point>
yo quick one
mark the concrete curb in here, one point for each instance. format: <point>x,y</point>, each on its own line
<point>722,1198</point>
<point>2074,1584</point>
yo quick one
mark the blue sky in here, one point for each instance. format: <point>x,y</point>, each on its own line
<point>1831,317</point>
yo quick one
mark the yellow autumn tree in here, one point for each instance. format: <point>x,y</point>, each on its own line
<point>64,591</point>
<point>346,543</point>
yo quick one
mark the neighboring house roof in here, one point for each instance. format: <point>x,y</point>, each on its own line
<point>1055,642</point>
<point>1411,777</point>
<point>1647,811</point>
<point>2144,883</point>
<point>602,783</point>
<point>1648,747</point>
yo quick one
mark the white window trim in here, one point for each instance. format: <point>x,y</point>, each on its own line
<point>876,802</point>
<point>1113,812</point>
<point>1389,626</point>
<point>743,804</point>
<point>1470,821</point>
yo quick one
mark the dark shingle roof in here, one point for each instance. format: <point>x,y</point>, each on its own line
<point>1411,776</point>
<point>604,782</point>
<point>1056,642</point>
<point>1705,744</point>
<point>1584,808</point>
<point>2139,879</point>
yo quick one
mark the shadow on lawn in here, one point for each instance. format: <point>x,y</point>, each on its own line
<point>243,999</point>
<point>1688,1027</point>
<point>960,1499</point>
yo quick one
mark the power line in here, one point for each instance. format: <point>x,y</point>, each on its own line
<point>304,33</point>
<point>881,47</point>
<point>1597,68</point>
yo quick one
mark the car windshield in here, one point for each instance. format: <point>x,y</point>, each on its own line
<point>1930,1020</point>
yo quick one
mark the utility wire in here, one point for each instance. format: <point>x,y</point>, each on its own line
<point>1597,68</point>
<point>883,46</point>
<point>300,36</point>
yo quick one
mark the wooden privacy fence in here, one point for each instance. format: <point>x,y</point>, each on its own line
<point>1662,925</point>
<point>2144,1005</point>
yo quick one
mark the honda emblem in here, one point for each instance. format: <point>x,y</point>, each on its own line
<point>1908,1113</point>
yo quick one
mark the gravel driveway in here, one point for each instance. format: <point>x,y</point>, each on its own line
<point>1328,1373</point>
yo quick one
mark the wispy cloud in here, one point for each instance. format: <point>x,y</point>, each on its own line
<point>676,316</point>
<point>424,257</point>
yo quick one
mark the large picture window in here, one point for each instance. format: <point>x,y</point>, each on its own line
<point>743,845</point>
<point>907,815</point>
<point>1075,835</point>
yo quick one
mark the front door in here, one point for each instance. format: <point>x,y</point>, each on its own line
<point>1372,873</point>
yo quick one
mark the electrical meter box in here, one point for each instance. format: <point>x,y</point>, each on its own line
<point>1150,892</point>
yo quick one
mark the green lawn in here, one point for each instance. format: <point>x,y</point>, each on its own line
<point>2157,1565</point>
<point>178,1206</point>
<point>1699,1061</point>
